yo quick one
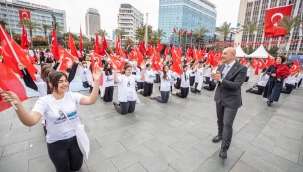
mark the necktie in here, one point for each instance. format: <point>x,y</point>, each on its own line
<point>224,72</point>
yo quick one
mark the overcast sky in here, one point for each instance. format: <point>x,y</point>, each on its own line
<point>227,10</point>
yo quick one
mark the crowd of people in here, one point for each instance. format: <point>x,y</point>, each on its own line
<point>57,107</point>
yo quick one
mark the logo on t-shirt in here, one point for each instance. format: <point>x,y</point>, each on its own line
<point>62,118</point>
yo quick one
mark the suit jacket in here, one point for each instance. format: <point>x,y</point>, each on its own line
<point>228,93</point>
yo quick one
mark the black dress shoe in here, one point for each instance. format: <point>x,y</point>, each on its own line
<point>223,154</point>
<point>217,139</point>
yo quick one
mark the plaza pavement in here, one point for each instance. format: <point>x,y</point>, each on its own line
<point>169,137</point>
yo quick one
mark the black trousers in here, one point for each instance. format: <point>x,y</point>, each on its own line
<point>126,107</point>
<point>140,85</point>
<point>184,92</point>
<point>300,82</point>
<point>210,86</point>
<point>206,80</point>
<point>288,89</point>
<point>259,91</point>
<point>65,155</point>
<point>225,120</point>
<point>295,85</point>
<point>191,80</point>
<point>147,89</point>
<point>164,97</point>
<point>246,79</point>
<point>178,83</point>
<point>194,90</point>
<point>157,80</point>
<point>108,94</point>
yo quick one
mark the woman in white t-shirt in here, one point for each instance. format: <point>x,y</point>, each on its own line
<point>56,107</point>
<point>198,72</point>
<point>263,78</point>
<point>184,83</point>
<point>108,82</point>
<point>248,72</point>
<point>165,85</point>
<point>127,95</point>
<point>149,75</point>
<point>85,75</point>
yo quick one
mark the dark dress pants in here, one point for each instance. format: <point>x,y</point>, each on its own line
<point>225,116</point>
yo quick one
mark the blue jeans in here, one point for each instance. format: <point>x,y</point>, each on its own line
<point>65,155</point>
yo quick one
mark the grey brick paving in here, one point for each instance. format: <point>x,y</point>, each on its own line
<point>169,137</point>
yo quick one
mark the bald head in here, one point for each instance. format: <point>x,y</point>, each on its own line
<point>229,55</point>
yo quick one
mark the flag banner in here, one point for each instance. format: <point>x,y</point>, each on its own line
<point>54,46</point>
<point>24,14</point>
<point>72,47</point>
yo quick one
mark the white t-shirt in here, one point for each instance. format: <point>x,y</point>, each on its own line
<point>299,77</point>
<point>126,88</point>
<point>58,127</point>
<point>207,72</point>
<point>263,80</point>
<point>165,83</point>
<point>149,76</point>
<point>198,74</point>
<point>38,77</point>
<point>42,88</point>
<point>185,80</point>
<point>82,74</point>
<point>248,72</point>
<point>108,80</point>
<point>291,80</point>
<point>138,73</point>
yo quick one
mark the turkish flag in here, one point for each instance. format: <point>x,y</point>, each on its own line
<point>268,61</point>
<point>24,14</point>
<point>118,62</point>
<point>243,60</point>
<point>81,43</point>
<point>97,45</point>
<point>67,59</point>
<point>54,46</point>
<point>295,67</point>
<point>159,46</point>
<point>9,82</point>
<point>24,38</point>
<point>72,47</point>
<point>139,57</point>
<point>175,31</point>
<point>259,65</point>
<point>104,47</point>
<point>118,45</point>
<point>133,54</point>
<point>273,15</point>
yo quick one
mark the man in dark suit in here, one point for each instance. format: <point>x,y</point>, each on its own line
<point>229,78</point>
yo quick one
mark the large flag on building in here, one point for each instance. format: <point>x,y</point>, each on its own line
<point>24,14</point>
<point>273,15</point>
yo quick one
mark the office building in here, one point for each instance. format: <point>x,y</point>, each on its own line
<point>254,10</point>
<point>9,12</point>
<point>92,21</point>
<point>129,19</point>
<point>186,14</point>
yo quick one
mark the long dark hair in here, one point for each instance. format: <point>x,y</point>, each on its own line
<point>125,68</point>
<point>107,72</point>
<point>183,67</point>
<point>53,78</point>
<point>164,72</point>
<point>46,73</point>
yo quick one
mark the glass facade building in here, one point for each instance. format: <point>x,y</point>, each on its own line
<point>9,12</point>
<point>186,14</point>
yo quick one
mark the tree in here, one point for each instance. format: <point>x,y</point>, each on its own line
<point>120,32</point>
<point>102,32</point>
<point>200,33</point>
<point>251,27</point>
<point>3,23</point>
<point>45,28</point>
<point>224,30</point>
<point>288,23</point>
<point>159,34</point>
<point>140,33</point>
<point>273,51</point>
<point>59,28</point>
<point>31,26</point>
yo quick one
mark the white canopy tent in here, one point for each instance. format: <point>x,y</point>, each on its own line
<point>240,52</point>
<point>260,53</point>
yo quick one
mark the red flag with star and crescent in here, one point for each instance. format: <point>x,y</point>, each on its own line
<point>295,67</point>
<point>54,46</point>
<point>273,16</point>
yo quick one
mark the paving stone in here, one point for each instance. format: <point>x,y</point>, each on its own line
<point>39,147</point>
<point>137,167</point>
<point>242,135</point>
<point>100,124</point>
<point>271,132</point>
<point>41,164</point>
<point>208,147</point>
<point>136,139</point>
<point>121,126</point>
<point>242,166</point>
<point>294,124</point>
<point>140,127</point>
<point>130,156</point>
<point>199,134</point>
<point>15,162</point>
<point>189,161</point>
<point>160,129</point>
<point>259,163</point>
<point>181,130</point>
<point>114,137</point>
<point>105,166</point>
<point>289,144</point>
<point>159,161</point>
<point>17,147</point>
<point>265,142</point>
<point>184,144</point>
<point>292,133</point>
<point>215,163</point>
<point>103,153</point>
<point>286,154</point>
<point>94,144</point>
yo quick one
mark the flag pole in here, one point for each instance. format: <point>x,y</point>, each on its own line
<point>11,102</point>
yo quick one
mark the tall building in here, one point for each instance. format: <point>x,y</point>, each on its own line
<point>129,19</point>
<point>9,12</point>
<point>92,21</point>
<point>186,14</point>
<point>254,10</point>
